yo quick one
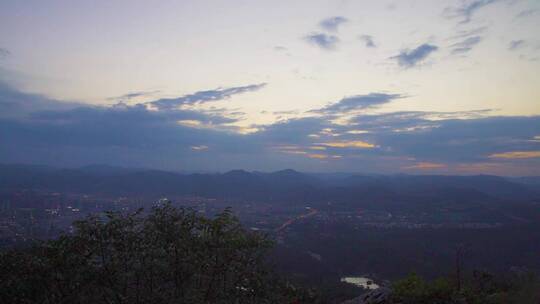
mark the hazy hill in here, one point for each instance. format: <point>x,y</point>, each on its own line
<point>287,185</point>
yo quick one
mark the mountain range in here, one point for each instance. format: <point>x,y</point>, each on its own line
<point>288,184</point>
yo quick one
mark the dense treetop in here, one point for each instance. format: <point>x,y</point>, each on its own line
<point>167,256</point>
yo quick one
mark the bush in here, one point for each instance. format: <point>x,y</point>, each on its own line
<point>414,289</point>
<point>482,288</point>
<point>168,256</point>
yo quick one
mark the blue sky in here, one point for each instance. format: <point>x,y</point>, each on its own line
<point>447,87</point>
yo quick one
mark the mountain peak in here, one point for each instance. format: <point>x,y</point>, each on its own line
<point>237,172</point>
<point>287,172</point>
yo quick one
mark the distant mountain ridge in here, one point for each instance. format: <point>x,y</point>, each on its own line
<point>285,184</point>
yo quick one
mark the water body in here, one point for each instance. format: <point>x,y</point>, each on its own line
<point>363,282</point>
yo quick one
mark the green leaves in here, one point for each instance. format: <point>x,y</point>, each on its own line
<point>170,255</point>
<point>482,288</point>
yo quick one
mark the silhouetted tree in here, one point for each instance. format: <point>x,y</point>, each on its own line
<point>168,256</point>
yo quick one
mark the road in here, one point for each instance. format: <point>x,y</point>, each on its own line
<point>289,222</point>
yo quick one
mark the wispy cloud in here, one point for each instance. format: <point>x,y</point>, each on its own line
<point>137,135</point>
<point>528,12</point>
<point>410,58</point>
<point>199,148</point>
<point>516,155</point>
<point>426,166</point>
<point>458,140</point>
<point>15,104</point>
<point>129,96</point>
<point>347,144</point>
<point>368,41</point>
<point>4,53</point>
<point>332,24</point>
<point>205,96</point>
<point>461,34</point>
<point>516,44</point>
<point>358,102</point>
<point>324,41</point>
<point>467,10</point>
<point>466,45</point>
<point>318,156</point>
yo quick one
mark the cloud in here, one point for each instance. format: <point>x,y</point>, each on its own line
<point>516,44</point>
<point>204,96</point>
<point>348,144</point>
<point>323,156</point>
<point>294,131</point>
<point>4,53</point>
<point>129,114</point>
<point>368,41</point>
<point>527,13</point>
<point>324,41</point>
<point>426,166</point>
<point>516,155</point>
<point>455,140</point>
<point>199,148</point>
<point>37,129</point>
<point>467,33</point>
<point>432,140</point>
<point>29,119</point>
<point>133,95</point>
<point>332,24</point>
<point>466,45</point>
<point>358,102</point>
<point>18,105</point>
<point>410,58</point>
<point>467,10</point>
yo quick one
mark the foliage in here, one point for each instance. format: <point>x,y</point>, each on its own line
<point>167,256</point>
<point>482,288</point>
<point>414,289</point>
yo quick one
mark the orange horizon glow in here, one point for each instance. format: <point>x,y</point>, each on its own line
<point>516,155</point>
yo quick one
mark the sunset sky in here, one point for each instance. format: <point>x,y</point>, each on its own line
<point>420,87</point>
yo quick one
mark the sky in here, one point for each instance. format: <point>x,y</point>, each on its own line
<point>411,86</point>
